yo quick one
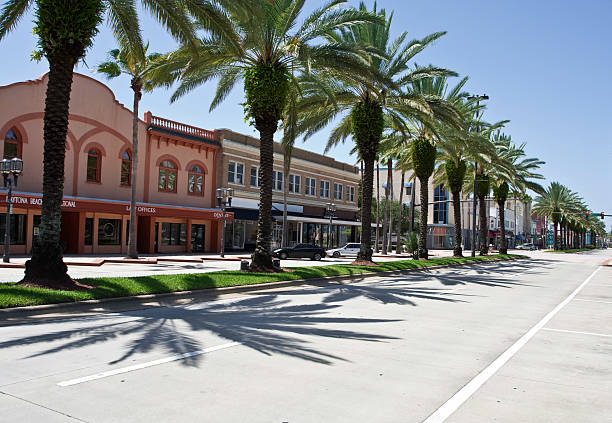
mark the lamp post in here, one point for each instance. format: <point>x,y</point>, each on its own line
<point>10,170</point>
<point>224,200</point>
<point>331,209</point>
<point>478,114</point>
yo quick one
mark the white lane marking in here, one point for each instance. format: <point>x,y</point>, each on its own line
<point>578,332</point>
<point>594,301</point>
<point>147,364</point>
<point>453,403</point>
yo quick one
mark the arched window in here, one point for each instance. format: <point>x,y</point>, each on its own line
<point>126,168</point>
<point>94,163</point>
<point>167,176</point>
<point>195,184</point>
<point>12,144</point>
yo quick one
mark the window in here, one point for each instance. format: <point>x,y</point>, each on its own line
<point>18,228</point>
<point>408,187</point>
<point>173,233</point>
<point>94,160</point>
<point>337,191</point>
<point>310,186</point>
<point>12,145</point>
<point>294,183</point>
<point>88,231</point>
<point>350,194</point>
<point>126,168</point>
<point>109,231</point>
<point>195,181</point>
<point>277,182</point>
<point>235,173</point>
<point>167,176</point>
<point>324,189</point>
<point>440,205</point>
<point>254,176</point>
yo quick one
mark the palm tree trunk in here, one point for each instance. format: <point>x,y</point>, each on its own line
<point>132,241</point>
<point>484,225</point>
<point>555,237</point>
<point>400,211</point>
<point>390,186</point>
<point>503,248</point>
<point>412,201</point>
<point>385,212</point>
<point>377,206</point>
<point>365,252</point>
<point>262,258</point>
<point>284,241</point>
<point>423,253</point>
<point>457,251</point>
<point>46,265</point>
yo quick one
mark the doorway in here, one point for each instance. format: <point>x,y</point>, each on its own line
<point>198,235</point>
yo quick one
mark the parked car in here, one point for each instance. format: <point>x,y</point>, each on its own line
<point>526,246</point>
<point>350,249</point>
<point>312,252</point>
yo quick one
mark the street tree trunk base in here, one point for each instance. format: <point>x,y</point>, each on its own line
<point>423,254</point>
<point>458,252</point>
<point>46,269</point>
<point>503,251</point>
<point>262,263</point>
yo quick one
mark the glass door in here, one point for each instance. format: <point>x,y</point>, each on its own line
<point>198,233</point>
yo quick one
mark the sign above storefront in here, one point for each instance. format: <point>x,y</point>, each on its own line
<point>109,206</point>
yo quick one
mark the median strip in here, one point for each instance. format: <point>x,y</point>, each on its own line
<point>14,295</point>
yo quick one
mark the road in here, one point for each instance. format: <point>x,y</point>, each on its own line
<point>526,341</point>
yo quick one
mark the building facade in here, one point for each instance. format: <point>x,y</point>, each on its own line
<point>176,174</point>
<point>313,182</point>
<point>441,217</point>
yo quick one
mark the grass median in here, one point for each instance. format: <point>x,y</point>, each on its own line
<point>574,250</point>
<point>13,295</point>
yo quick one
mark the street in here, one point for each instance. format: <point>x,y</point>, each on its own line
<point>523,341</point>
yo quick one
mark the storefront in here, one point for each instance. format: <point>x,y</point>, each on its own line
<point>100,226</point>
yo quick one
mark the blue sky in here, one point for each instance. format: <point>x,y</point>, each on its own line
<point>545,65</point>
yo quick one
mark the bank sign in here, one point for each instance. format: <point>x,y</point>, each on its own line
<point>106,206</point>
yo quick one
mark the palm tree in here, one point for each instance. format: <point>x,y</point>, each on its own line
<point>270,52</point>
<point>139,69</point>
<point>65,31</point>
<point>555,202</point>
<point>365,106</point>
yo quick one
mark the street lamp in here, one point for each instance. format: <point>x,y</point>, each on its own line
<point>224,200</point>
<point>478,114</point>
<point>331,209</point>
<point>10,170</point>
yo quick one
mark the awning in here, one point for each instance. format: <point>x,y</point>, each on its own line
<point>318,220</point>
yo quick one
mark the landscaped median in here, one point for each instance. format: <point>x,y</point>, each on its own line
<point>13,295</point>
<point>573,250</point>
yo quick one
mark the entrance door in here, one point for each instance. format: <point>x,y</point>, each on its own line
<point>70,232</point>
<point>156,247</point>
<point>238,240</point>
<point>198,233</point>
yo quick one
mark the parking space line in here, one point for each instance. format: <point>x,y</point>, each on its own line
<point>594,301</point>
<point>454,402</point>
<point>578,332</point>
<point>147,364</point>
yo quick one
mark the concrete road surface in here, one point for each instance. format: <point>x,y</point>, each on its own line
<point>527,341</point>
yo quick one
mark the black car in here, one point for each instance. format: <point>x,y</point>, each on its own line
<point>300,251</point>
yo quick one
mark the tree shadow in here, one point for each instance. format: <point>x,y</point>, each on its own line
<point>264,323</point>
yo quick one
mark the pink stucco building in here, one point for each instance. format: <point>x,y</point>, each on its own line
<point>176,174</point>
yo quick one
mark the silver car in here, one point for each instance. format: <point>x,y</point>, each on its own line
<point>526,246</point>
<point>350,249</point>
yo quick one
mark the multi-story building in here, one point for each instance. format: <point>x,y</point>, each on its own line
<point>176,174</point>
<point>313,182</point>
<point>441,218</point>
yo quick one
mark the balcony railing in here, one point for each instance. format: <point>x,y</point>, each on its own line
<point>181,128</point>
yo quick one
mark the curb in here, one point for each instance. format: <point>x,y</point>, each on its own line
<point>86,305</point>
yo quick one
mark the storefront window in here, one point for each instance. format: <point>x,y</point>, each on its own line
<point>18,228</point>
<point>174,233</point>
<point>109,231</point>
<point>88,231</point>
